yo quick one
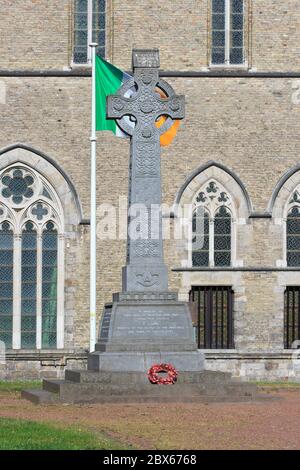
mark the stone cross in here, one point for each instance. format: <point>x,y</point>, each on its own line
<point>145,270</point>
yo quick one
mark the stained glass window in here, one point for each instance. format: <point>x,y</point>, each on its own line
<point>293,237</point>
<point>29,286</point>
<point>49,286</point>
<point>227,32</point>
<point>6,283</point>
<point>89,26</point>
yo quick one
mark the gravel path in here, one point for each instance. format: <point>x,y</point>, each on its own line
<point>273,424</point>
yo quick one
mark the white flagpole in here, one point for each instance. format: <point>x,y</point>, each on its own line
<point>93,231</point>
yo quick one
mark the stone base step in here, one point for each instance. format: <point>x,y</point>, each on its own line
<point>67,389</point>
<point>207,377</point>
<point>40,397</point>
<point>83,386</point>
<point>123,387</point>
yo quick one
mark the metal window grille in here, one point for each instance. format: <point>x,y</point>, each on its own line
<point>200,255</point>
<point>89,26</point>
<point>222,237</point>
<point>291,316</point>
<point>293,237</point>
<point>212,316</point>
<point>211,241</point>
<point>29,287</point>
<point>227,32</point>
<point>6,283</point>
<point>49,287</point>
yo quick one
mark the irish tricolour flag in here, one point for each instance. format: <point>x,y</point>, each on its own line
<point>108,81</point>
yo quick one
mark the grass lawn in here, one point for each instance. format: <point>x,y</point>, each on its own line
<point>6,386</point>
<point>278,385</point>
<point>28,435</point>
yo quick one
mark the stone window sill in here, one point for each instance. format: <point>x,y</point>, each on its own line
<point>229,67</point>
<point>218,351</point>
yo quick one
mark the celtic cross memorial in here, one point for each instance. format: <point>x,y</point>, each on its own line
<point>146,323</point>
<point>145,270</point>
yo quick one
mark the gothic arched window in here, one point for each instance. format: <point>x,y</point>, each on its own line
<point>31,249</point>
<point>293,236</point>
<point>212,227</point>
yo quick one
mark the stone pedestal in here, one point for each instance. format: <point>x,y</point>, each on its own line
<point>137,331</point>
<point>142,329</point>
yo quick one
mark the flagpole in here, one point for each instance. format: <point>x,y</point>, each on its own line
<point>93,230</point>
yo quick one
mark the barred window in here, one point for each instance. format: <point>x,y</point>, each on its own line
<point>293,237</point>
<point>227,32</point>
<point>212,227</point>
<point>292,317</point>
<point>89,26</point>
<point>211,310</point>
<point>31,248</point>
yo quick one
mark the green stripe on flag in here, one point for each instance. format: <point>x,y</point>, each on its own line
<point>108,81</point>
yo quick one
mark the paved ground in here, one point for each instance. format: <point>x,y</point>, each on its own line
<point>262,425</point>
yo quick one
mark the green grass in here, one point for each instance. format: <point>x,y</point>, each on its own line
<point>284,385</point>
<point>27,435</point>
<point>6,386</point>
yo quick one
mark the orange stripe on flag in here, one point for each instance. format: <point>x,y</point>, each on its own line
<point>169,135</point>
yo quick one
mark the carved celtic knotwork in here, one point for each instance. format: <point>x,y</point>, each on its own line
<point>146,248</point>
<point>146,159</point>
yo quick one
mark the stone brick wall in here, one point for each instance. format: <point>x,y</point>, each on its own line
<point>179,29</point>
<point>35,34</point>
<point>38,33</point>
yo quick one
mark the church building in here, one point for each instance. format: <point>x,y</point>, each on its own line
<point>234,160</point>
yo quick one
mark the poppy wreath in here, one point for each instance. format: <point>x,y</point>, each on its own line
<point>156,369</point>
